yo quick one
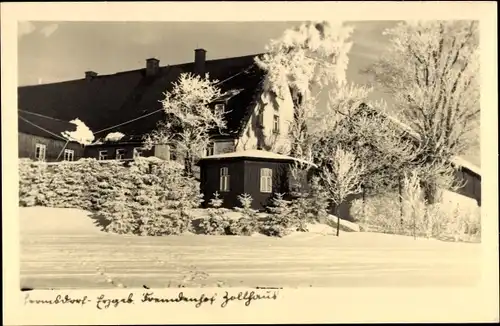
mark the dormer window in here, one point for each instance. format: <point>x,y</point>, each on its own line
<point>220,107</point>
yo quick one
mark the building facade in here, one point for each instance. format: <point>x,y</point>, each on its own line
<point>260,174</point>
<point>129,103</point>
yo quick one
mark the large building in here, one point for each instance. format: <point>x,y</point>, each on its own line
<point>129,103</point>
<point>255,118</point>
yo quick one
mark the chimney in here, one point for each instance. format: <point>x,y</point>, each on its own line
<point>199,62</point>
<point>89,75</point>
<point>152,66</point>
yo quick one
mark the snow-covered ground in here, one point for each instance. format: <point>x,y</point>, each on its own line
<point>62,248</point>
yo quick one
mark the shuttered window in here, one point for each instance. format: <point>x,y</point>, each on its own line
<point>266,180</point>
<point>224,179</point>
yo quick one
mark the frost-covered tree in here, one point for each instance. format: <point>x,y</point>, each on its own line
<point>246,206</point>
<point>314,53</point>
<point>364,129</point>
<point>280,219</point>
<point>190,117</point>
<point>341,174</point>
<point>303,60</point>
<point>414,203</point>
<point>432,70</point>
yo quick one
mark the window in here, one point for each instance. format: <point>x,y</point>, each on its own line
<point>210,149</point>
<point>276,124</point>
<point>69,155</point>
<point>224,179</point>
<point>103,155</point>
<point>220,107</point>
<point>137,152</point>
<point>266,180</point>
<point>40,151</point>
<point>120,154</point>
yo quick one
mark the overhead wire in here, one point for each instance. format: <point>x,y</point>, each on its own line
<point>41,128</point>
<point>40,115</point>
<point>126,122</point>
<point>151,113</point>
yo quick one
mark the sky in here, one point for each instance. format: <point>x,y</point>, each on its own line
<point>56,51</point>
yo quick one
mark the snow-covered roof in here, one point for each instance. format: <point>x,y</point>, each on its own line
<point>466,164</point>
<point>256,153</point>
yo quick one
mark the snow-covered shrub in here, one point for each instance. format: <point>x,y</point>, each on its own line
<point>216,210</point>
<point>157,196</point>
<point>276,226</point>
<point>311,206</point>
<point>317,200</point>
<point>106,181</point>
<point>217,222</point>
<point>248,223</point>
<point>280,206</point>
<point>300,207</point>
<point>457,223</point>
<point>473,223</point>
<point>380,213</point>
<point>149,197</point>
<point>279,222</point>
<point>383,213</point>
<point>246,207</point>
<point>33,180</point>
<point>154,222</point>
<point>53,185</point>
<point>243,226</point>
<point>119,215</point>
<point>214,225</point>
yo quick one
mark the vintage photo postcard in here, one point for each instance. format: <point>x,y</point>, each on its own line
<point>264,162</point>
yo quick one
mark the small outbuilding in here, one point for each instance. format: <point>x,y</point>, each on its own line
<point>261,174</point>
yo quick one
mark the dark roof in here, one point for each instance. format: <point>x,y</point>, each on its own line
<point>27,122</point>
<point>109,100</point>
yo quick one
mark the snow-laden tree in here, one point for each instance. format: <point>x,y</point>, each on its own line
<point>314,53</point>
<point>302,61</point>
<point>431,68</point>
<point>190,118</point>
<point>341,174</point>
<point>365,129</point>
<point>414,203</point>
